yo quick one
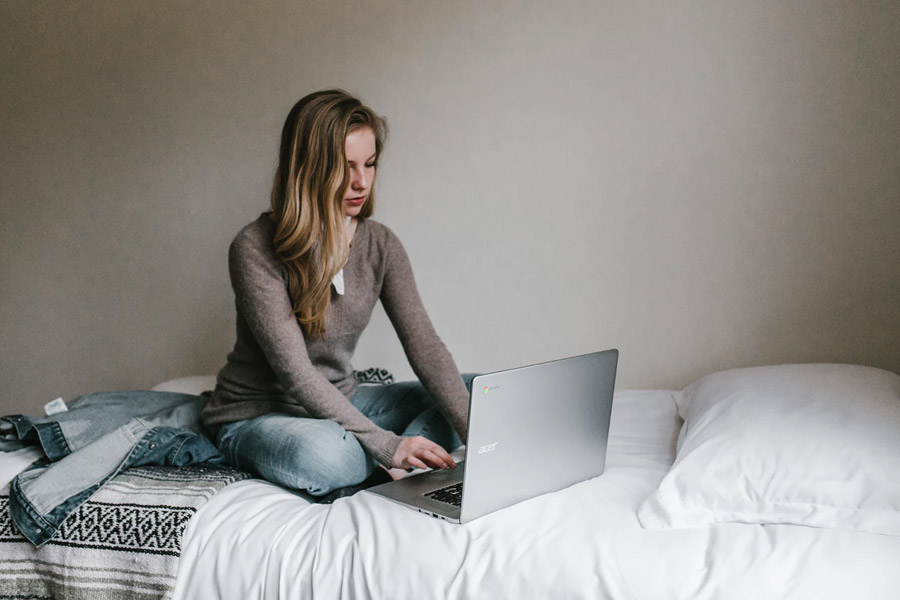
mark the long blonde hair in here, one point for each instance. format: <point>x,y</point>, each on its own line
<point>308,197</point>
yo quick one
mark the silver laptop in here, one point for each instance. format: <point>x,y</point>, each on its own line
<point>532,430</point>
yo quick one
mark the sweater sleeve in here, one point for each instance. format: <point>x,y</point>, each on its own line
<point>262,298</point>
<point>429,358</point>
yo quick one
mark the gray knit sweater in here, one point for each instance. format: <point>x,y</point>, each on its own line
<point>274,368</point>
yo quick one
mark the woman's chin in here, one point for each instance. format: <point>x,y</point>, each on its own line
<point>352,211</point>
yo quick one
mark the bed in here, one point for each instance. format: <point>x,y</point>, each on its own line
<point>773,482</point>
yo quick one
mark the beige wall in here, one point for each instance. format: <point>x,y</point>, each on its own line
<point>702,185</point>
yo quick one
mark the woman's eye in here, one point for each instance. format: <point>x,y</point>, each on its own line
<point>370,165</point>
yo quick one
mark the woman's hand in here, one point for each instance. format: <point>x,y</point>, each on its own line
<point>421,453</point>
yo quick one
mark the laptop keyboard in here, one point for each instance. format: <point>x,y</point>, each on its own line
<point>452,494</point>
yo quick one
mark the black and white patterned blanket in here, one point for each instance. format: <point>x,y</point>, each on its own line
<point>374,376</point>
<point>123,543</point>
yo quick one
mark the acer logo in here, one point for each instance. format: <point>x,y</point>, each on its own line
<point>487,448</point>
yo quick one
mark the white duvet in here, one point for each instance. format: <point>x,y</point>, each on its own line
<point>255,540</point>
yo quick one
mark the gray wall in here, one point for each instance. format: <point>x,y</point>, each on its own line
<point>703,185</point>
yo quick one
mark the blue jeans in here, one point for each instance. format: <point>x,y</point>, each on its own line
<point>99,436</point>
<point>318,455</point>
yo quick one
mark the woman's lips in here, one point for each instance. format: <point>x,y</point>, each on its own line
<point>358,201</point>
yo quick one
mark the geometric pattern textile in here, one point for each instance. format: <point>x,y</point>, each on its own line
<point>123,542</point>
<point>375,376</point>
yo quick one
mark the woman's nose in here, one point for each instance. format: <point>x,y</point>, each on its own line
<point>358,180</point>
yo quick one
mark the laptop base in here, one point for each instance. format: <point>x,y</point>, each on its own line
<point>410,492</point>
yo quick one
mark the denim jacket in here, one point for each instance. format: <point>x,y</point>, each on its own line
<point>95,439</point>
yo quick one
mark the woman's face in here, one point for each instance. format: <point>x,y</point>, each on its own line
<point>360,149</point>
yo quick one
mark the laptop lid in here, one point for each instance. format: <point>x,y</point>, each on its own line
<point>536,429</point>
<point>532,430</point>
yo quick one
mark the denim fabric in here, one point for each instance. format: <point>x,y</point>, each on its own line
<point>90,417</point>
<point>99,436</point>
<point>318,455</point>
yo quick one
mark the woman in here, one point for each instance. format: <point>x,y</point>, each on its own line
<point>306,276</point>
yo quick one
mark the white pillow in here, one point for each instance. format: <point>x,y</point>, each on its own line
<point>815,445</point>
<point>196,385</point>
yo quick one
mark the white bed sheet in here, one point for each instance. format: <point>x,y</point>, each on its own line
<point>255,540</point>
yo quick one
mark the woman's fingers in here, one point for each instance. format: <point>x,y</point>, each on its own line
<point>438,459</point>
<point>416,463</point>
<point>421,453</point>
<point>432,454</point>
